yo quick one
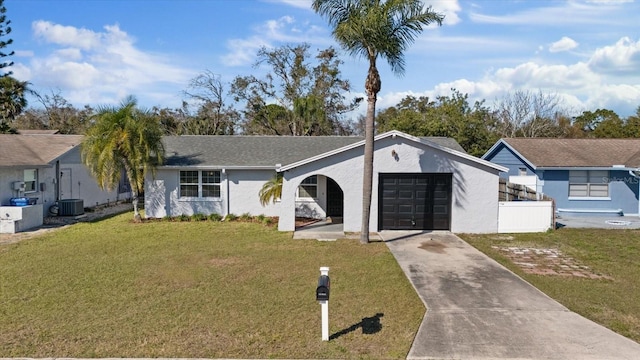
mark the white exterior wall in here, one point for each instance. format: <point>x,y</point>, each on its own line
<point>474,207</point>
<point>80,185</point>
<point>238,195</point>
<point>525,216</point>
<point>244,188</point>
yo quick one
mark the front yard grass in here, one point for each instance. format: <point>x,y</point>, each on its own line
<point>611,301</point>
<point>205,289</point>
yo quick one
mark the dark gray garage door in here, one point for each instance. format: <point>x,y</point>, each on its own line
<point>414,202</point>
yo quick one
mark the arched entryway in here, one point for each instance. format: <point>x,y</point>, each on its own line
<point>324,201</point>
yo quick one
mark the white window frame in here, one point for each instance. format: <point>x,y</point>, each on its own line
<point>310,182</point>
<point>208,181</point>
<point>589,185</point>
<point>30,178</point>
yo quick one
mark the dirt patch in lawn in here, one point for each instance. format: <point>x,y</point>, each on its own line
<point>551,262</point>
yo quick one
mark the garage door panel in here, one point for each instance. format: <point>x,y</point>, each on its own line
<point>415,201</point>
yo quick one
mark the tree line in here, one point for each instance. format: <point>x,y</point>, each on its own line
<point>304,93</point>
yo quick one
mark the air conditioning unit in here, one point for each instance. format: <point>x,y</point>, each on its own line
<point>18,185</point>
<point>71,207</point>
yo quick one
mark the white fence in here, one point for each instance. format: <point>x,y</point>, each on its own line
<point>525,216</point>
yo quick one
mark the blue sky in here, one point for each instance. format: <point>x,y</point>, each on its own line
<point>95,52</point>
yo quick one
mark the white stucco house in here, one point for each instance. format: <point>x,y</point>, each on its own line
<point>418,183</point>
<point>47,169</point>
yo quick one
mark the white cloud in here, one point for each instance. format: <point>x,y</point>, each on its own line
<point>65,35</point>
<point>302,4</point>
<point>284,30</point>
<point>449,8</point>
<point>91,67</point>
<point>581,85</point>
<point>69,53</point>
<point>24,53</point>
<point>564,44</point>
<point>553,15</point>
<point>621,58</point>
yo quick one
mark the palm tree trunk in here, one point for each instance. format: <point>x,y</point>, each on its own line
<point>134,193</point>
<point>367,177</point>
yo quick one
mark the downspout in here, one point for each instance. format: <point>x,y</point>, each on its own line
<point>228,202</point>
<point>56,180</point>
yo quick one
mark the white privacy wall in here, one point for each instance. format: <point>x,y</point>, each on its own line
<point>474,207</point>
<point>525,216</point>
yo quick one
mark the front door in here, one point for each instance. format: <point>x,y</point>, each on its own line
<point>335,199</point>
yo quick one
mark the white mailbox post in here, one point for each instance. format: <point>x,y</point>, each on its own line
<point>322,296</point>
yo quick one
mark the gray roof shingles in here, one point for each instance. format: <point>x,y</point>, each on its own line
<point>34,150</point>
<point>257,151</point>
<point>548,152</point>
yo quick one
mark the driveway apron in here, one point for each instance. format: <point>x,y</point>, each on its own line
<point>477,309</point>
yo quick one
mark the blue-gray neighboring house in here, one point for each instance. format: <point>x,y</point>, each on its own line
<point>584,176</point>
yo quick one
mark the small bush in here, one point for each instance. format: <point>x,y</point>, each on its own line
<point>231,217</point>
<point>246,217</point>
<point>184,217</point>
<point>261,218</point>
<point>215,217</point>
<point>167,218</point>
<point>198,217</point>
<point>267,221</point>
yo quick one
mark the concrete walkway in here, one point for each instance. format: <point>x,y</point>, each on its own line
<point>477,309</point>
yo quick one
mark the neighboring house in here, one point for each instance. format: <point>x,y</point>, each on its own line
<point>583,175</point>
<point>418,183</point>
<point>48,168</point>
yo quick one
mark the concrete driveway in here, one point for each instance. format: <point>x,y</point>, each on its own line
<point>477,309</point>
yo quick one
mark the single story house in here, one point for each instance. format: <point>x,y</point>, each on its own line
<point>47,168</point>
<point>584,176</point>
<point>418,183</point>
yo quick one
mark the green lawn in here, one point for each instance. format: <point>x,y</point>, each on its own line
<point>614,302</point>
<point>114,288</point>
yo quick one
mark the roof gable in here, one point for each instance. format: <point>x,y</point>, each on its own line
<point>431,142</point>
<point>35,150</point>
<point>547,152</point>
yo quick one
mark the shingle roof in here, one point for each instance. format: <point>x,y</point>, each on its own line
<point>257,151</point>
<point>544,152</point>
<point>34,150</point>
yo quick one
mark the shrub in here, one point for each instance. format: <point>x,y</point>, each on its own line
<point>215,217</point>
<point>167,218</point>
<point>246,217</point>
<point>198,217</point>
<point>184,217</point>
<point>231,217</point>
<point>261,218</point>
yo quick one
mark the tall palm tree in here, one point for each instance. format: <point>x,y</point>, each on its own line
<point>123,138</point>
<point>372,29</point>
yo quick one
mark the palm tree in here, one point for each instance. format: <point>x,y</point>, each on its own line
<point>271,190</point>
<point>123,138</point>
<point>372,29</point>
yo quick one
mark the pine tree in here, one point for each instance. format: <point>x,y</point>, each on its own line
<point>5,30</point>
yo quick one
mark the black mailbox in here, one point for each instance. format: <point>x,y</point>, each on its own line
<point>322,291</point>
